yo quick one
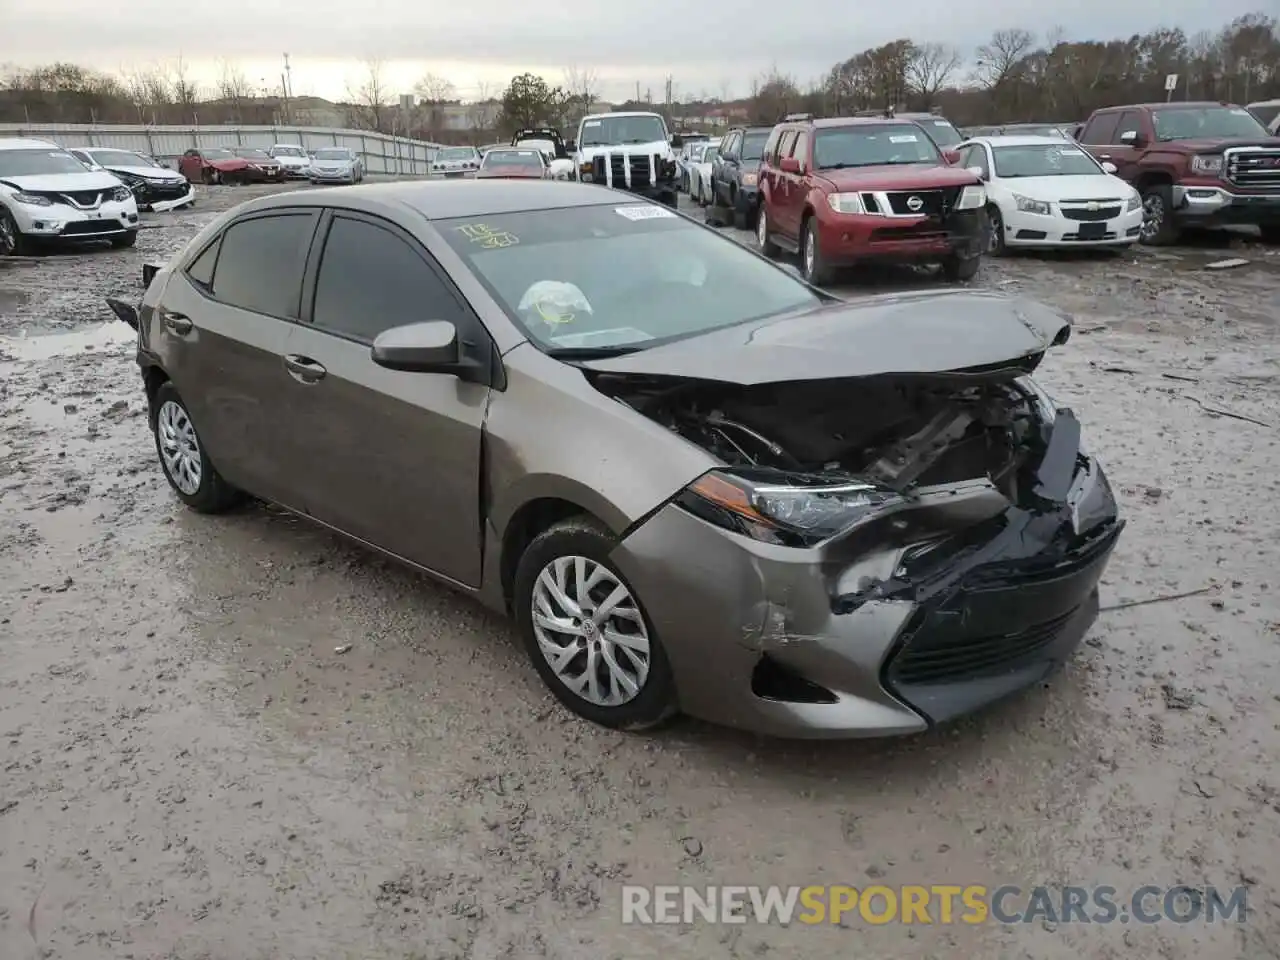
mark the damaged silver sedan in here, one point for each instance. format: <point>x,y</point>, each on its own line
<point>697,483</point>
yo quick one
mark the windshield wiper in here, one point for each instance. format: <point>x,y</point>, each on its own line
<point>590,353</point>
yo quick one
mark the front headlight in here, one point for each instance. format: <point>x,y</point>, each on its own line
<point>748,179</point>
<point>972,198</point>
<point>846,202</point>
<point>792,510</point>
<point>31,200</point>
<point>1028,205</point>
<point>1135,202</point>
<point>121,194</point>
<point>1207,165</point>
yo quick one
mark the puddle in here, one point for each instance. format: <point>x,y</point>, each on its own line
<point>49,345</point>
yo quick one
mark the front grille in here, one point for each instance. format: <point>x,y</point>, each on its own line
<point>942,657</point>
<point>1081,213</point>
<point>1252,166</point>
<point>932,203</point>
<point>627,171</point>
<point>84,198</point>
<point>86,227</point>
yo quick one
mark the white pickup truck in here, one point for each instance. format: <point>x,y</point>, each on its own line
<point>629,151</point>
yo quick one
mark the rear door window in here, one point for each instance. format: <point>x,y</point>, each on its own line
<point>260,263</point>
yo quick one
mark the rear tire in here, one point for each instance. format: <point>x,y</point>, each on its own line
<point>183,459</point>
<point>581,542</point>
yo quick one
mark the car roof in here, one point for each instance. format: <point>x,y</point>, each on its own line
<point>446,199</point>
<point>1173,105</point>
<point>26,143</point>
<point>1023,140</point>
<point>856,122</point>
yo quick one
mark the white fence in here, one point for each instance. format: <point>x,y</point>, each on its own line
<point>381,153</point>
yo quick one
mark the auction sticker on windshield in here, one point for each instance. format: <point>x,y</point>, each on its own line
<point>643,212</point>
<point>907,138</point>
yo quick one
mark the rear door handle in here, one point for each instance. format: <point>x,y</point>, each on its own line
<point>179,323</point>
<point>304,369</point>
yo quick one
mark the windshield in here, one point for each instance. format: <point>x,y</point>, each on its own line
<point>218,153</point>
<point>546,146</point>
<point>1034,130</point>
<point>710,153</point>
<point>332,153</point>
<point>121,158</point>
<point>26,163</point>
<point>1197,123</point>
<point>250,154</point>
<point>1044,160</point>
<point>753,144</point>
<point>287,152</point>
<point>512,158</point>
<point>623,277</point>
<point>943,133</point>
<point>457,153</point>
<point>1266,112</point>
<point>872,144</point>
<point>602,131</point>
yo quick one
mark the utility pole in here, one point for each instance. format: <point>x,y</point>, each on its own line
<point>637,91</point>
<point>287,83</point>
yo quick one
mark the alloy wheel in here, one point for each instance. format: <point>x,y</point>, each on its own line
<point>8,237</point>
<point>810,255</point>
<point>179,447</point>
<point>762,229</point>
<point>1152,215</point>
<point>590,630</point>
<point>995,235</point>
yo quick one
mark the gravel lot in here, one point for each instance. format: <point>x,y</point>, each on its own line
<point>190,770</point>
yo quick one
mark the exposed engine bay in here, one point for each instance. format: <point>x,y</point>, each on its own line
<point>901,432</point>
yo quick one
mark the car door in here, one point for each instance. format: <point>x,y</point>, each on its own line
<point>388,456</point>
<point>223,319</point>
<point>1127,143</point>
<point>727,171</point>
<point>797,148</point>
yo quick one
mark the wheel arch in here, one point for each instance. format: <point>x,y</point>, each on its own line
<point>153,378</point>
<point>1153,178</point>
<point>530,519</point>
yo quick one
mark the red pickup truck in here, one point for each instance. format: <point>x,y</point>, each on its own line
<point>1196,164</point>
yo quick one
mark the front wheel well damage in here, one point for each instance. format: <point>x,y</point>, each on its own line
<point>524,526</point>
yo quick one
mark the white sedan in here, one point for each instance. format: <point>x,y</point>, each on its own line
<point>1046,192</point>
<point>699,167</point>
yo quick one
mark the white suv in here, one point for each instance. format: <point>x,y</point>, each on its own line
<point>293,158</point>
<point>47,194</point>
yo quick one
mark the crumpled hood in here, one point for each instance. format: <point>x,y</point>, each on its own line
<point>149,173</point>
<point>921,333</point>
<point>63,182</point>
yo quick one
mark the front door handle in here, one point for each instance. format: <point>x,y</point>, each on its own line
<point>304,369</point>
<point>179,323</point>
<point>1104,156</point>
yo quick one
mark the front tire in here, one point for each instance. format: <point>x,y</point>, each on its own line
<point>183,458</point>
<point>766,245</point>
<point>814,266</point>
<point>123,240</point>
<point>1270,233</point>
<point>1158,227</point>
<point>13,242</point>
<point>672,200</point>
<point>957,269</point>
<point>995,239</point>
<point>586,632</point>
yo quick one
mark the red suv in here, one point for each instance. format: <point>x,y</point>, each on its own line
<point>853,190</point>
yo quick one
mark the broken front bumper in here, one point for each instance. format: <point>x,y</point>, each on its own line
<point>917,618</point>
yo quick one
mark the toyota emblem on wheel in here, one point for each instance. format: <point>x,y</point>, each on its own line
<point>914,204</point>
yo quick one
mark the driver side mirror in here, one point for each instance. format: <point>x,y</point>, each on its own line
<point>951,156</point>
<point>789,164</point>
<point>677,141</point>
<point>1132,138</point>
<point>428,347</point>
<point>977,172</point>
<point>1109,167</point>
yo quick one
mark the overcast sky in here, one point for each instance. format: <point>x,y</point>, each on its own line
<point>482,44</point>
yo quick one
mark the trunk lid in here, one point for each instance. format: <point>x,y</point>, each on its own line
<point>920,333</point>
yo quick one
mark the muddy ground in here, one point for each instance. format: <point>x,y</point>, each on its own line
<point>189,769</point>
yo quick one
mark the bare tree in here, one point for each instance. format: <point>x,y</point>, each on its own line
<point>435,89</point>
<point>147,90</point>
<point>234,87</point>
<point>482,112</point>
<point>998,60</point>
<point>929,69</point>
<point>370,96</point>
<point>185,91</point>
<point>582,83</point>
